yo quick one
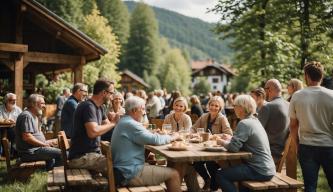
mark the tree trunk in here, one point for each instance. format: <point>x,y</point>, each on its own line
<point>305,30</point>
<point>262,34</point>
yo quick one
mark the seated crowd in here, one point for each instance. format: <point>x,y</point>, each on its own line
<point>263,127</point>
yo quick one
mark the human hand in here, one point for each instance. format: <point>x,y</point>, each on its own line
<point>226,137</point>
<point>222,142</point>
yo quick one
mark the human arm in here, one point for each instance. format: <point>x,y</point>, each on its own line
<point>29,138</point>
<point>263,115</point>
<point>239,138</point>
<point>294,124</point>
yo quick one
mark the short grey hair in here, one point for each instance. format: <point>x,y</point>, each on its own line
<point>7,96</point>
<point>247,103</point>
<point>33,99</point>
<point>133,102</point>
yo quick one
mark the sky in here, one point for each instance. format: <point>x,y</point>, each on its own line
<point>191,8</point>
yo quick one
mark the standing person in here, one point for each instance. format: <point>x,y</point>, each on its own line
<point>328,81</point>
<point>250,136</point>
<point>293,86</point>
<point>153,105</point>
<point>80,92</point>
<point>127,145</point>
<point>311,125</point>
<point>259,96</point>
<point>275,119</point>
<point>88,125</point>
<point>30,141</point>
<point>9,111</point>
<point>60,101</point>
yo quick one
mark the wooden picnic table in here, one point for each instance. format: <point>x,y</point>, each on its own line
<point>4,126</point>
<point>180,160</point>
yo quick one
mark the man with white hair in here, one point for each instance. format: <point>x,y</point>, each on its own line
<point>9,111</point>
<point>128,150</point>
<point>274,118</point>
<point>30,140</point>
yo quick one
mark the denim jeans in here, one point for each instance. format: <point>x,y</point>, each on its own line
<point>51,155</point>
<point>212,167</point>
<point>311,158</point>
<point>226,177</point>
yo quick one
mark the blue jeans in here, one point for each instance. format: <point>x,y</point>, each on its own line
<point>212,167</point>
<point>311,158</point>
<point>51,155</point>
<point>226,177</point>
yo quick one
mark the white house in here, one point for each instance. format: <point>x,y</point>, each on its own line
<point>218,75</point>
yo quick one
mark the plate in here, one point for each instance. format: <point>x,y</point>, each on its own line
<point>215,149</point>
<point>171,148</point>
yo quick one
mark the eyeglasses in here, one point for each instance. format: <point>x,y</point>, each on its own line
<point>266,88</point>
<point>84,90</point>
<point>11,100</point>
<point>110,92</point>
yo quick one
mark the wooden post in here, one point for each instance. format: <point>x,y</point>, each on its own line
<point>78,71</point>
<point>19,80</point>
<point>291,161</point>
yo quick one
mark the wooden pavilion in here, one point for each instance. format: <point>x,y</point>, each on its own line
<point>130,81</point>
<point>33,40</point>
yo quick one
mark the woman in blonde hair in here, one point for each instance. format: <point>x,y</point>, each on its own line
<point>216,123</point>
<point>293,86</point>
<point>178,118</point>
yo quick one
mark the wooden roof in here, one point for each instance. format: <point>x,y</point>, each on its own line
<point>135,77</point>
<point>55,25</point>
<point>204,65</point>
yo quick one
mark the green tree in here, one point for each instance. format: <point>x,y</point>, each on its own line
<point>116,12</point>
<point>70,11</point>
<point>142,47</point>
<point>97,28</point>
<point>175,72</point>
<point>202,87</point>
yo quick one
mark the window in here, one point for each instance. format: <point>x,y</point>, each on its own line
<point>215,80</point>
<point>214,87</point>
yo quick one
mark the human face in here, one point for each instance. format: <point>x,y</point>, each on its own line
<point>139,113</point>
<point>179,107</point>
<point>11,103</point>
<point>239,111</point>
<point>40,106</point>
<point>117,100</point>
<point>108,93</point>
<point>214,107</point>
<point>290,89</point>
<point>83,93</point>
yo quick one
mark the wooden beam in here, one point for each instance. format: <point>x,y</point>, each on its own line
<point>13,47</point>
<point>19,81</point>
<point>52,58</point>
<point>78,71</point>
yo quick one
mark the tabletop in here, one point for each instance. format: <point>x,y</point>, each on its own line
<point>196,152</point>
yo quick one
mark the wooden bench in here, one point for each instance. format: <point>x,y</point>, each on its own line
<point>78,177</point>
<point>112,187</point>
<point>56,179</point>
<point>279,182</point>
<point>21,170</point>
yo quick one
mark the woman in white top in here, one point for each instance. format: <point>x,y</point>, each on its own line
<point>178,118</point>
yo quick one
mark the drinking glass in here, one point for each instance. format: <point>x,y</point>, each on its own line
<point>167,128</point>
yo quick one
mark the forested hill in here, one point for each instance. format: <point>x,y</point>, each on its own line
<point>191,34</point>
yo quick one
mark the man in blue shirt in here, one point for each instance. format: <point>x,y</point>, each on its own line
<point>128,150</point>
<point>80,92</point>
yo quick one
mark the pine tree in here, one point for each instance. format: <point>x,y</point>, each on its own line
<point>116,12</point>
<point>142,48</point>
<point>97,28</point>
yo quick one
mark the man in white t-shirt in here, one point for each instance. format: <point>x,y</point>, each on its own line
<point>311,123</point>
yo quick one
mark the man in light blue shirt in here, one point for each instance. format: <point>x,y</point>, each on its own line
<point>127,144</point>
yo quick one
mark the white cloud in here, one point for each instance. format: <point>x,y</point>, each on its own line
<point>191,8</point>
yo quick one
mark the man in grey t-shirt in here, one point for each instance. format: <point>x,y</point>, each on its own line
<point>311,123</point>
<point>274,118</point>
<point>30,141</point>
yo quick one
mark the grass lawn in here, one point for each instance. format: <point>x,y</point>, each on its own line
<point>38,181</point>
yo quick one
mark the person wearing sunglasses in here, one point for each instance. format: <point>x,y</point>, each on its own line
<point>80,92</point>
